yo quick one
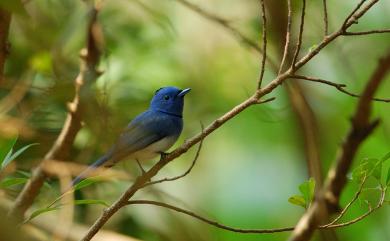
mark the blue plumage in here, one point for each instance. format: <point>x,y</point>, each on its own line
<point>150,133</point>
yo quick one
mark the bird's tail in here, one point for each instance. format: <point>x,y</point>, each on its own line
<point>100,162</point>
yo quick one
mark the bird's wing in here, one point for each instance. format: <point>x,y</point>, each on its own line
<point>144,130</point>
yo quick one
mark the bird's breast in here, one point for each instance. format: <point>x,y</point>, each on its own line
<point>154,149</point>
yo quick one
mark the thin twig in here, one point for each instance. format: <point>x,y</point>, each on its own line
<point>144,178</point>
<point>222,22</point>
<point>340,87</point>
<point>252,100</point>
<point>348,18</point>
<point>258,231</point>
<point>301,27</point>
<point>225,24</point>
<point>169,179</point>
<point>14,96</point>
<point>61,147</point>
<point>370,211</point>
<point>336,85</point>
<point>355,197</point>
<point>361,128</point>
<point>288,37</point>
<point>326,27</point>
<point>5,19</point>
<point>367,32</point>
<point>266,100</point>
<point>264,55</point>
<point>208,221</point>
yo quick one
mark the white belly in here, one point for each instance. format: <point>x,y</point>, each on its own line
<point>154,149</point>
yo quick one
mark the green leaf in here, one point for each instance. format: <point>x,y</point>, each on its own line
<point>370,195</point>
<point>297,200</point>
<point>38,212</point>
<point>47,185</point>
<point>307,189</point>
<point>385,177</point>
<point>358,174</point>
<point>10,157</point>
<point>12,181</point>
<point>7,159</point>
<point>5,147</point>
<point>367,167</point>
<point>385,172</point>
<point>90,201</point>
<point>24,174</point>
<point>386,157</point>
<point>86,182</point>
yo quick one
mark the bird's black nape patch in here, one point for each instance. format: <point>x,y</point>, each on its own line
<point>157,91</point>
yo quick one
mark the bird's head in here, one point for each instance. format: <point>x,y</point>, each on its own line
<point>169,100</point>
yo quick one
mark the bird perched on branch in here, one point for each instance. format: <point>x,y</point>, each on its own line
<point>149,134</point>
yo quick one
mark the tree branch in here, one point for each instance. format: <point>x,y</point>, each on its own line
<point>288,37</point>
<point>370,211</point>
<point>326,23</point>
<point>169,179</point>
<point>225,24</point>
<point>264,55</point>
<point>350,18</point>
<point>367,32</point>
<point>64,142</point>
<point>208,221</point>
<point>355,197</point>
<point>361,128</point>
<point>331,225</point>
<point>5,19</point>
<point>301,27</point>
<point>254,99</point>
<point>340,87</point>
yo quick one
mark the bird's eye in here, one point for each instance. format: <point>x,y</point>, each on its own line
<point>166,97</point>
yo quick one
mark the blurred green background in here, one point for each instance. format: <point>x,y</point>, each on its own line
<point>248,168</point>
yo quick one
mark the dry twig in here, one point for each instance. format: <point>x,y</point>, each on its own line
<point>361,217</point>
<point>141,180</point>
<point>361,128</point>
<point>367,32</point>
<point>225,24</point>
<point>5,19</point>
<point>326,23</point>
<point>288,37</point>
<point>301,27</point>
<point>355,197</point>
<point>330,225</point>
<point>64,142</point>
<point>169,179</point>
<point>208,221</point>
<point>340,87</point>
<point>264,36</point>
<point>350,18</point>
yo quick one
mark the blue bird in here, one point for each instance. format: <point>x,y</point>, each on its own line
<point>149,134</point>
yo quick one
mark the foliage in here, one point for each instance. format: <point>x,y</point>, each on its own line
<point>379,169</point>
<point>247,167</point>
<point>306,189</point>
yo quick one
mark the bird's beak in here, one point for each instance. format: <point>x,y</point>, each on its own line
<point>184,92</point>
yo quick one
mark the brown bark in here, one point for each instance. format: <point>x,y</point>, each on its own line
<point>5,19</point>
